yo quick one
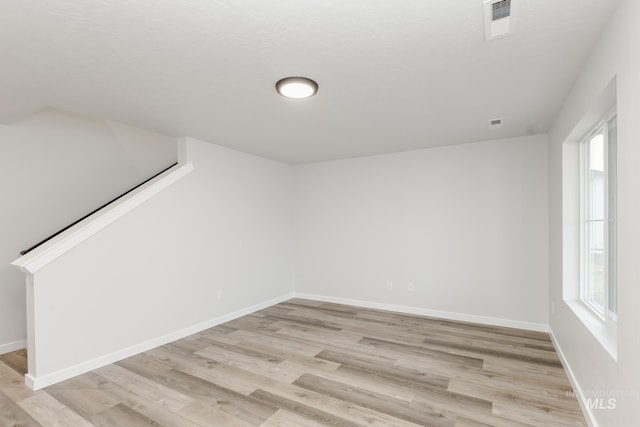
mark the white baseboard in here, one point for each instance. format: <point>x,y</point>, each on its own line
<point>586,411</point>
<point>13,346</point>
<point>493,321</point>
<point>38,382</point>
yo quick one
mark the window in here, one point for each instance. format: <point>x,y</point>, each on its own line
<point>589,214</point>
<point>598,220</point>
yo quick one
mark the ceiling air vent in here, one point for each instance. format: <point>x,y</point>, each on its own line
<point>495,123</point>
<point>500,9</point>
<point>498,19</point>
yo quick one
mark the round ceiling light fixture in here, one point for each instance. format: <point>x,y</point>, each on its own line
<point>296,87</point>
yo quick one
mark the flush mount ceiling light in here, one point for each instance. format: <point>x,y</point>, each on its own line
<point>296,87</point>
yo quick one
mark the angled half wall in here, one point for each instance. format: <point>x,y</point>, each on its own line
<point>205,242</point>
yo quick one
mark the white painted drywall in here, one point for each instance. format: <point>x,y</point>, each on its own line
<point>54,168</point>
<point>157,270</point>
<point>466,224</point>
<point>617,55</point>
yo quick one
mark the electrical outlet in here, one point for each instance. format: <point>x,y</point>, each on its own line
<point>390,285</point>
<point>220,295</point>
<point>411,287</point>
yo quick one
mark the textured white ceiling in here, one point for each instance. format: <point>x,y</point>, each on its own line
<point>394,74</point>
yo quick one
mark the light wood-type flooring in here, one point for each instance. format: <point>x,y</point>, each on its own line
<point>307,363</point>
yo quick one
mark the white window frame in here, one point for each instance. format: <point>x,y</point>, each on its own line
<point>606,315</point>
<point>603,328</point>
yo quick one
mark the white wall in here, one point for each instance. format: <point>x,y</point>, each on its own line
<point>617,54</point>
<point>466,224</point>
<point>54,168</point>
<point>157,270</point>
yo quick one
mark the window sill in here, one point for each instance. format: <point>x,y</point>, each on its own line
<point>604,331</point>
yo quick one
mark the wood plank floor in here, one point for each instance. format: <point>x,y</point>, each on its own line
<point>308,363</point>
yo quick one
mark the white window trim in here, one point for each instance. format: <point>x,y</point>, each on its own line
<point>603,328</point>
<point>606,316</point>
<point>605,332</point>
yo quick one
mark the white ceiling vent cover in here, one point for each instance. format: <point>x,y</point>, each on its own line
<point>498,19</point>
<point>495,123</point>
